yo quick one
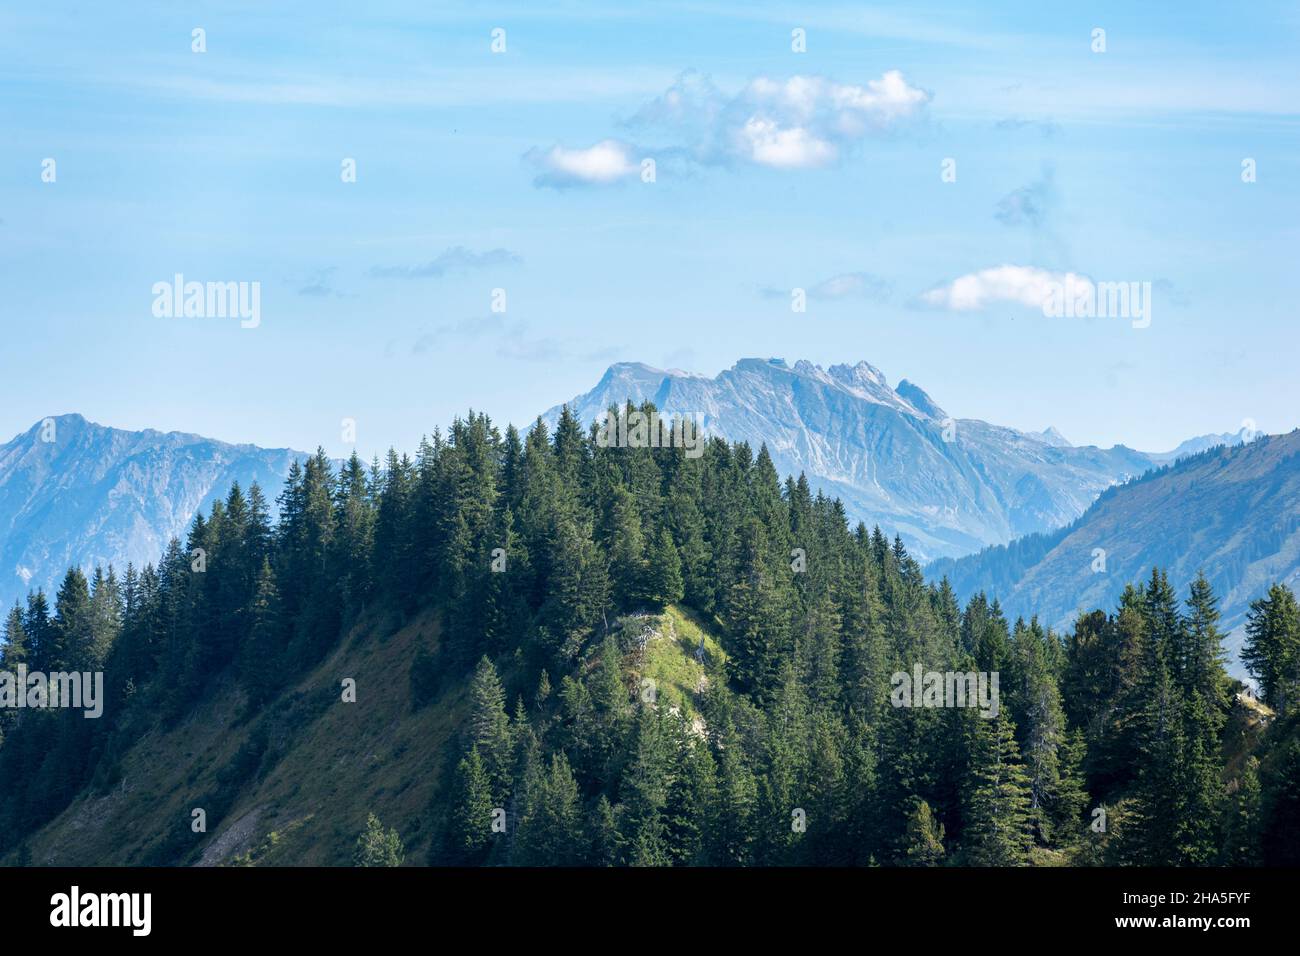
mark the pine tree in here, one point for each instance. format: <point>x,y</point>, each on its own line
<point>1069,801</point>
<point>1271,651</point>
<point>644,789</point>
<point>664,572</point>
<point>692,809</point>
<point>105,616</point>
<point>473,808</point>
<point>550,828</point>
<point>74,641</point>
<point>1241,825</point>
<point>14,651</point>
<point>375,847</point>
<point>924,837</point>
<point>1202,655</point>
<point>997,815</point>
<point>41,636</point>
<point>490,727</point>
<point>606,837</point>
<point>260,655</point>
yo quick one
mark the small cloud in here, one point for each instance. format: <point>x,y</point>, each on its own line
<point>851,285</point>
<point>318,284</point>
<point>1031,205</point>
<point>532,350</point>
<point>1022,285</point>
<point>609,161</point>
<point>456,259</point>
<point>475,327</point>
<point>847,285</point>
<point>1048,129</point>
<point>1172,293</point>
<point>509,335</point>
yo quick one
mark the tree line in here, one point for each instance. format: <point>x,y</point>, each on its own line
<point>1113,744</point>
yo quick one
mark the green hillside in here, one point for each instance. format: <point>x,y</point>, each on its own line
<point>1231,512</point>
<point>551,652</point>
<point>326,764</point>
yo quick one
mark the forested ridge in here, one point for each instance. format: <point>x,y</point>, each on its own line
<point>551,560</point>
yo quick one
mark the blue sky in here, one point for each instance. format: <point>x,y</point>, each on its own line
<point>521,171</point>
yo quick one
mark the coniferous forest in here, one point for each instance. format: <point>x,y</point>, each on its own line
<point>551,563</point>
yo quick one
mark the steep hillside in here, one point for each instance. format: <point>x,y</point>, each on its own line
<point>534,630</point>
<point>1230,511</point>
<point>76,493</point>
<point>948,486</point>
<point>293,786</point>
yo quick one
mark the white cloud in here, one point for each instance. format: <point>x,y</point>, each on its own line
<point>768,144</point>
<point>803,122</point>
<point>846,285</point>
<point>453,260</point>
<point>606,162</point>
<point>806,121</point>
<point>851,285</point>
<point>1023,285</point>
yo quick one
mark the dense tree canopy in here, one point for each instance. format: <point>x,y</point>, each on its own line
<point>537,550</point>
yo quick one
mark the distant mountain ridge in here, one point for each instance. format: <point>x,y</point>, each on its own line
<point>949,486</point>
<point>100,495</point>
<point>1231,511</point>
<point>76,492</point>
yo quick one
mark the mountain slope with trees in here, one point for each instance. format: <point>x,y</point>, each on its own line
<point>949,486</point>
<point>1230,511</point>
<point>75,492</point>
<point>538,650</point>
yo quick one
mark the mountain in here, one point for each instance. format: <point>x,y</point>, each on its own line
<point>1052,437</point>
<point>75,492</point>
<point>894,456</point>
<point>1232,511</point>
<point>628,688</point>
<point>1199,444</point>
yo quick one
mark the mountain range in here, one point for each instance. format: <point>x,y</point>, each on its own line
<point>949,486</point>
<point>75,492</point>
<point>1229,511</point>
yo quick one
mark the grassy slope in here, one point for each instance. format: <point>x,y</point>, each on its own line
<point>331,763</point>
<point>670,659</point>
<point>328,763</point>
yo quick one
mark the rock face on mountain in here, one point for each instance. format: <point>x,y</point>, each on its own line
<point>1230,511</point>
<point>74,492</point>
<point>948,486</point>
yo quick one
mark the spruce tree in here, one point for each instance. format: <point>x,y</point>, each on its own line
<point>1242,819</point>
<point>489,726</point>
<point>472,809</point>
<point>996,829</point>
<point>375,847</point>
<point>664,571</point>
<point>1271,652</point>
<point>924,837</point>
